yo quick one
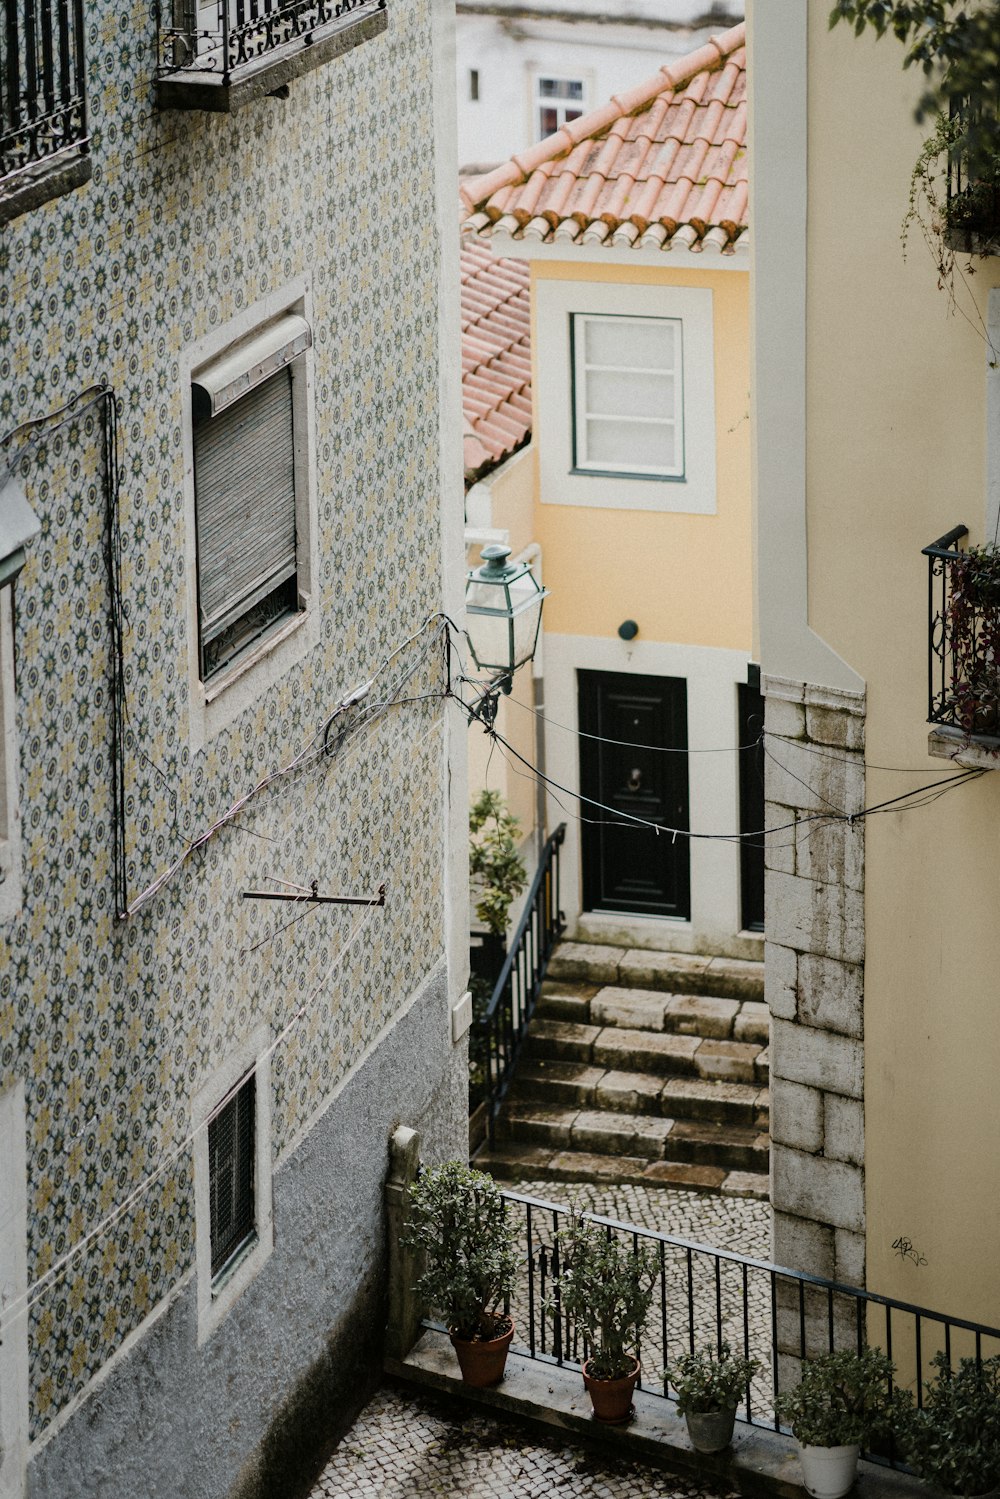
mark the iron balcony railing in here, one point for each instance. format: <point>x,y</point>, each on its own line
<point>498,1034</point>
<point>963,626</point>
<point>43,111</point>
<point>226,38</point>
<point>707,1297</point>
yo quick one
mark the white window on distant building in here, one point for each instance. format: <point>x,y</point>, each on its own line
<point>628,400</point>
<point>557,101</point>
<point>474,85</point>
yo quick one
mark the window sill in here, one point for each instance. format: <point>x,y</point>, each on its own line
<point>971,751</point>
<point>206,87</point>
<point>255,654</point>
<point>47,180</point>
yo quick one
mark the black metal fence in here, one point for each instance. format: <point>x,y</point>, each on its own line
<point>707,1297</point>
<point>949,658</point>
<point>498,1033</point>
<point>42,84</point>
<point>226,36</point>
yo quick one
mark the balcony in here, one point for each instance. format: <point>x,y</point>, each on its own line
<point>44,146</point>
<point>224,54</point>
<point>963,651</point>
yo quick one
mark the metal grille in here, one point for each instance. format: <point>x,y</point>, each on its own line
<point>231,1142</point>
<point>42,78</point>
<point>223,37</point>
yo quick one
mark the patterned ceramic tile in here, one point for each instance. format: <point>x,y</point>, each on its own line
<point>113,1025</point>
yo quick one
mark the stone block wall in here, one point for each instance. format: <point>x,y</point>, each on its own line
<point>814,979</point>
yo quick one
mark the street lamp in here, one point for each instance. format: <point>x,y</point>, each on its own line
<point>503,601</point>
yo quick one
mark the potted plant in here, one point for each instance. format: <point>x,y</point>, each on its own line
<point>708,1386</point>
<point>499,875</point>
<point>841,1402</point>
<point>953,1440</point>
<point>974,637</point>
<point>605,1289</point>
<point>459,1221</point>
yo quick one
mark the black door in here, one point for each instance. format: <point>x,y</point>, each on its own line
<point>751,723</point>
<point>632,721</point>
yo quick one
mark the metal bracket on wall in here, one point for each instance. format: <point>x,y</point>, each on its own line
<point>312,895</point>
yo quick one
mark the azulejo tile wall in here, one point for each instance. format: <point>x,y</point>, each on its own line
<point>113,1024</point>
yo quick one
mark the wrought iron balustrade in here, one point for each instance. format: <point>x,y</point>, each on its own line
<point>43,114</point>
<point>957,652</point>
<point>707,1297</point>
<point>220,44</point>
<point>498,1034</point>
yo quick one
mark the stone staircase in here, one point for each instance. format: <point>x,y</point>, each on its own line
<point>644,1068</point>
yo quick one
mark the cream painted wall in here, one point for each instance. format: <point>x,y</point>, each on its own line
<point>683,578</point>
<point>895,409</point>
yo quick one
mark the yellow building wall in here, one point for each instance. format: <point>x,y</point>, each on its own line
<point>685,578</point>
<point>895,458</point>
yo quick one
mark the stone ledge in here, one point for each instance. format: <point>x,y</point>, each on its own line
<point>552,1400</point>
<point>51,179</point>
<point>975,752</point>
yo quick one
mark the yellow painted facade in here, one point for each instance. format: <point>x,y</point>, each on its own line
<point>684,578</point>
<point>897,438</point>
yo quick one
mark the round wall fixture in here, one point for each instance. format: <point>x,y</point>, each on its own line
<point>628,629</point>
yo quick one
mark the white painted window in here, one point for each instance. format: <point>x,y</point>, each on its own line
<point>557,101</point>
<point>231,1115</point>
<point>628,402</point>
<point>252,555</point>
<point>625,396</point>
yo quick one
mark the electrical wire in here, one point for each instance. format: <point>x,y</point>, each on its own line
<point>660,749</point>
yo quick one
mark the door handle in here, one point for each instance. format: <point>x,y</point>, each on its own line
<point>635,780</point>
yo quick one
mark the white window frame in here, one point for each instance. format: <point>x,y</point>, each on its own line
<point>561,480</point>
<point>561,106</point>
<point>215,703</point>
<point>582,414</point>
<point>216,1295</point>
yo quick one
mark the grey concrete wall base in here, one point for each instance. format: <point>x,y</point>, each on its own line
<point>553,1401</point>
<point>252,1413</point>
<point>405,1311</point>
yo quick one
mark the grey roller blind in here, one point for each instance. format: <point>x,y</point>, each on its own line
<point>244,474</point>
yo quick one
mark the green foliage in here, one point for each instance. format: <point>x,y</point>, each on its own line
<point>706,1381</point>
<point>493,859</point>
<point>974,635</point>
<point>842,1399</point>
<point>459,1220</point>
<point>957,47</point>
<point>954,1440</point>
<point>606,1287</point>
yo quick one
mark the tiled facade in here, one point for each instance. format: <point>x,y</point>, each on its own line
<point>115,1024</point>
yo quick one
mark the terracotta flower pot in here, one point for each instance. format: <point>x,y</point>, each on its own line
<point>711,1431</point>
<point>482,1360</point>
<point>612,1398</point>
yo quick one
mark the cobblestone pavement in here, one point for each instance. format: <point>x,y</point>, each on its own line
<point>406,1445</point>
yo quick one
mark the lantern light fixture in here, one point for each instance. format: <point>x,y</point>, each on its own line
<point>503,602</point>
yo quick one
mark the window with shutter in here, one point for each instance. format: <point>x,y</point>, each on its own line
<point>628,395</point>
<point>245,493</point>
<point>231,1150</point>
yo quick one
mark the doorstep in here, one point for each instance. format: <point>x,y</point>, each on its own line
<point>541,1395</point>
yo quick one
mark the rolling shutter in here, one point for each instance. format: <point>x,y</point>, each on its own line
<point>245,503</point>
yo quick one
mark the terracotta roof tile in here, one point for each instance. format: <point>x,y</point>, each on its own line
<point>663,163</point>
<point>496,356</point>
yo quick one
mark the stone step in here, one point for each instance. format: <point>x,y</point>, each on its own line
<point>580,1085</point>
<point>653,1138</point>
<point>673,973</point>
<point>652,1010</point>
<point>662,1053</point>
<point>510,1162</point>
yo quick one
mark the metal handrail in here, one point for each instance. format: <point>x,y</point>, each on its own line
<point>515,994</point>
<point>941,662</point>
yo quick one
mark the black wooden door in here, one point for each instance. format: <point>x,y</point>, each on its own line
<point>751,724</point>
<point>631,722</point>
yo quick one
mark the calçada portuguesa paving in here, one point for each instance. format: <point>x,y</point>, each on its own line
<point>405,1445</point>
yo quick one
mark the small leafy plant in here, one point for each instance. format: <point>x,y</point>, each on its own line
<point>842,1399</point>
<point>953,1441</point>
<point>494,861</point>
<point>707,1381</point>
<point>458,1218</point>
<point>974,637</point>
<point>606,1288</point>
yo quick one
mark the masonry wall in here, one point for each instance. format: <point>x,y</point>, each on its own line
<point>814,977</point>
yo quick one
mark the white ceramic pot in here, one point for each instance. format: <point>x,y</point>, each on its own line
<point>828,1472</point>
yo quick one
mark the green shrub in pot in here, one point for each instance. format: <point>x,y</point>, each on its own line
<point>842,1401</point>
<point>953,1440</point>
<point>708,1386</point>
